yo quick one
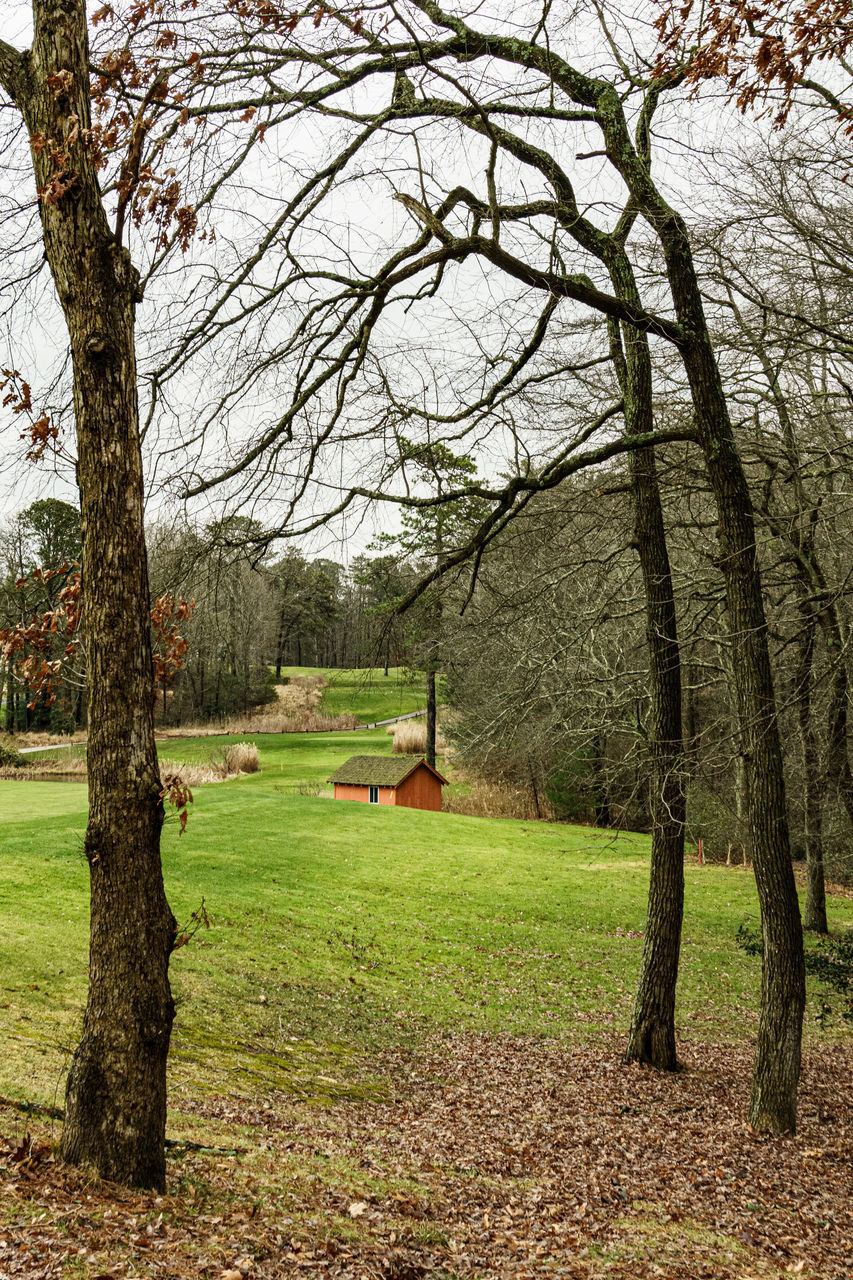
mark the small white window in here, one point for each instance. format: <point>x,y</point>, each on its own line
<point>373,795</point>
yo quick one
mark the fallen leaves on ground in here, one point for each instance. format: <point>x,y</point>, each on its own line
<point>493,1156</point>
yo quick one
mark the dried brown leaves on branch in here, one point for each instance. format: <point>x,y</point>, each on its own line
<point>147,70</point>
<point>490,1156</point>
<point>177,794</point>
<point>763,50</point>
<point>170,646</point>
<point>36,646</point>
<point>41,429</point>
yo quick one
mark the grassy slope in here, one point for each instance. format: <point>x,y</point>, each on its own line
<point>340,923</point>
<point>367,692</point>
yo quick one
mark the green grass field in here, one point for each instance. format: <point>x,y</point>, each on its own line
<point>367,692</point>
<point>337,927</point>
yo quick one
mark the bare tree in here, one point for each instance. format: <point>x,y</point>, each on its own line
<point>507,96</point>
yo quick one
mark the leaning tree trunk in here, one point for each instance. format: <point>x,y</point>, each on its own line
<point>652,1034</point>
<point>776,1073</point>
<point>116,1090</point>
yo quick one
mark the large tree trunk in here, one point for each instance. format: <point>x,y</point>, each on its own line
<point>116,1091</point>
<point>652,1034</point>
<point>773,1103</point>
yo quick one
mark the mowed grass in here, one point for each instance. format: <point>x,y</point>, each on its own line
<point>367,692</point>
<point>337,928</point>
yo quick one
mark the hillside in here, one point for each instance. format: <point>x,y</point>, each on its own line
<point>346,943</point>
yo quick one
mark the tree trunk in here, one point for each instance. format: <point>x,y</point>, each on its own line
<point>602,798</point>
<point>430,716</point>
<point>743,807</point>
<point>10,693</point>
<point>773,1103</point>
<point>799,532</point>
<point>652,1034</point>
<point>814,777</point>
<point>116,1090</point>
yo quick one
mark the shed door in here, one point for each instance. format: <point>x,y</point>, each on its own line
<point>373,795</point>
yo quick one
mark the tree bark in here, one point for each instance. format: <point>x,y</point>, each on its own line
<point>430,716</point>
<point>773,1102</point>
<point>116,1089</point>
<point>602,797</point>
<point>651,1037</point>
<point>814,777</point>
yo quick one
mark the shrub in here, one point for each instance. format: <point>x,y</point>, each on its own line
<point>497,800</point>
<point>10,758</point>
<point>830,960</point>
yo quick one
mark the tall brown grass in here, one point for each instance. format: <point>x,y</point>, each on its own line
<point>410,738</point>
<point>16,741</point>
<point>63,763</point>
<point>241,757</point>
<point>497,800</point>
<point>236,759</point>
<point>295,712</point>
<point>276,722</point>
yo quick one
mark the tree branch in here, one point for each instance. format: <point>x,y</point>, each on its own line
<point>13,71</point>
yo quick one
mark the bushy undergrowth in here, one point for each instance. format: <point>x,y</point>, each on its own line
<point>830,960</point>
<point>497,800</point>
<point>10,758</point>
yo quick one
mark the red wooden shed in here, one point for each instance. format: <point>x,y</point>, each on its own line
<point>403,780</point>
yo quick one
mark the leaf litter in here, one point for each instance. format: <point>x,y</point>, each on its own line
<point>489,1156</point>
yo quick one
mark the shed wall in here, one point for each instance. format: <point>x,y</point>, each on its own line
<point>421,790</point>
<point>348,791</point>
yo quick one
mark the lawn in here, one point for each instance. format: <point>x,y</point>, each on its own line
<point>348,926</point>
<point>397,1052</point>
<point>367,692</point>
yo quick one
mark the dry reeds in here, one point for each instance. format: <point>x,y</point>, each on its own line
<point>237,759</point>
<point>21,775</point>
<point>299,695</point>
<point>15,741</point>
<point>63,764</point>
<point>497,800</point>
<point>410,738</point>
<point>194,775</point>
<point>242,757</point>
<point>275,722</point>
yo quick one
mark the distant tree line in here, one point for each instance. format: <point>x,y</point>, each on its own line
<point>252,618</point>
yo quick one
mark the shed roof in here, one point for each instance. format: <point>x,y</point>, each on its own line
<point>380,771</point>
